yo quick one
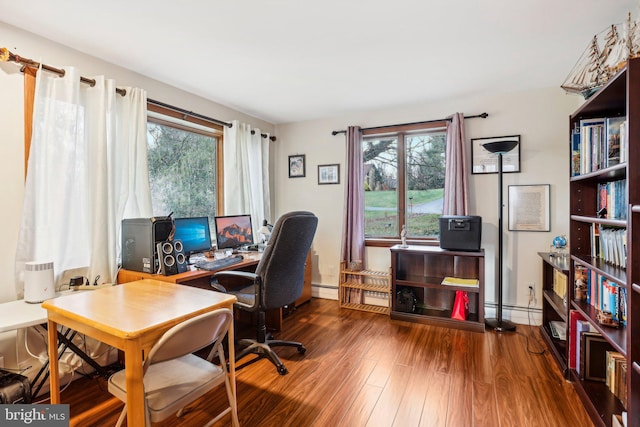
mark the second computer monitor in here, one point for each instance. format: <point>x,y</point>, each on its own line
<point>233,231</point>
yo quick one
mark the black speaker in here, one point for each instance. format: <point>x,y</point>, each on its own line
<point>140,237</point>
<point>166,258</point>
<point>171,258</point>
<point>181,259</point>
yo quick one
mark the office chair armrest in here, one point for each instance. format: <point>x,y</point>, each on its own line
<point>232,273</point>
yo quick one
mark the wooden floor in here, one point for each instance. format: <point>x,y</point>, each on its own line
<point>363,369</point>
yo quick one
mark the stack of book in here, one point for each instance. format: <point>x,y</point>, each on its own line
<point>609,244</point>
<point>616,378</point>
<point>598,144</point>
<point>603,294</point>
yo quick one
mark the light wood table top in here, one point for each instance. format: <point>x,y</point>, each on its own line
<point>131,317</point>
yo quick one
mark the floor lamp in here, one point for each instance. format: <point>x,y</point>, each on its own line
<point>500,148</point>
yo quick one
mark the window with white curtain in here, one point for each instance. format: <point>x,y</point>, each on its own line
<point>404,171</point>
<point>184,163</point>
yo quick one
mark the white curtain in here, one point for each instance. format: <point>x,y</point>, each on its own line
<point>87,170</point>
<point>246,174</point>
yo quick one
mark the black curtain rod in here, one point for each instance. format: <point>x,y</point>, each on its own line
<point>483,116</point>
<point>200,116</point>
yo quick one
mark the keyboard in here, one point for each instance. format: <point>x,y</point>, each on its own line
<point>217,264</point>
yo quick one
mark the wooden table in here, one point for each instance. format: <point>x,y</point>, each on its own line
<point>131,317</point>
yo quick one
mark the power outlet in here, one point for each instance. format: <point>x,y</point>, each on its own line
<point>532,293</point>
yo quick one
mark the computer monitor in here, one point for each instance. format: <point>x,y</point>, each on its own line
<point>194,234</point>
<point>233,231</point>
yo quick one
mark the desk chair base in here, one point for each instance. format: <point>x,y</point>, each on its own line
<point>263,349</point>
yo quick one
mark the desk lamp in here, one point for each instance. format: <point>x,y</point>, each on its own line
<point>500,148</point>
<point>265,231</point>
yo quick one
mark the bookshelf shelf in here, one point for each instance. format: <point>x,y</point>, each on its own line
<point>605,173</point>
<point>554,307</point>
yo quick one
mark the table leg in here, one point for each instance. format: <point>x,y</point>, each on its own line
<point>135,390</point>
<point>54,375</point>
<point>232,374</point>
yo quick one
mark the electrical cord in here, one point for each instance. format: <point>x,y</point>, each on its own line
<point>543,351</point>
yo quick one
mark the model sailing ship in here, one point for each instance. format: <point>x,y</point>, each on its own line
<point>605,55</point>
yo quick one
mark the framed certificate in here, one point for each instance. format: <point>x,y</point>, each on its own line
<point>484,161</point>
<point>529,208</point>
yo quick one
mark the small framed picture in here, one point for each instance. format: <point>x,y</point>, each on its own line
<point>296,166</point>
<point>329,174</point>
<point>483,161</point>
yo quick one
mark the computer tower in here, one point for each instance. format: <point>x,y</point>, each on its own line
<point>140,237</point>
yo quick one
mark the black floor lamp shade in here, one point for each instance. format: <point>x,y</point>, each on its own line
<point>499,148</point>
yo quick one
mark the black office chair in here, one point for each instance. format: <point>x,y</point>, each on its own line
<point>277,281</point>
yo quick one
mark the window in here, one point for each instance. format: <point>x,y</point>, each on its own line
<point>184,166</point>
<point>404,168</point>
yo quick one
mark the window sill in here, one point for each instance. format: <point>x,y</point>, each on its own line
<point>387,243</point>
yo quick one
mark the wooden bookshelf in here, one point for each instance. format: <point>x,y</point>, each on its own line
<point>619,99</point>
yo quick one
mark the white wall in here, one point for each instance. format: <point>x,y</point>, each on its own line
<point>540,117</point>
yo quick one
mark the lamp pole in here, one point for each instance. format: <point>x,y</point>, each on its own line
<point>499,148</point>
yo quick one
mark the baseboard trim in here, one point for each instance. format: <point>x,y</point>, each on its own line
<point>514,313</point>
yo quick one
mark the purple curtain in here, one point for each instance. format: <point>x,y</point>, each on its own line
<point>353,221</point>
<point>456,193</point>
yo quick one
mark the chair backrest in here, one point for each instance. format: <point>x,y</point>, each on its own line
<point>191,335</point>
<point>281,268</point>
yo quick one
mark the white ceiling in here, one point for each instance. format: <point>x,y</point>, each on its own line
<point>293,60</point>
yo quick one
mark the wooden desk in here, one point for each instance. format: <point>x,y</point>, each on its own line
<point>202,279</point>
<point>131,317</point>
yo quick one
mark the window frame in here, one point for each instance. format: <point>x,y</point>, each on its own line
<point>400,131</point>
<point>217,131</point>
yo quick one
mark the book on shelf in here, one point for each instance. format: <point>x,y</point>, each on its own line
<point>558,330</point>
<point>581,326</point>
<point>616,378</point>
<point>575,151</point>
<point>574,316</point>
<point>457,281</point>
<point>559,283</point>
<point>593,361</point>
<point>613,140</point>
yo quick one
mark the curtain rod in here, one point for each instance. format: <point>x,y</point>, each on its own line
<point>5,56</point>
<point>200,116</point>
<point>483,116</point>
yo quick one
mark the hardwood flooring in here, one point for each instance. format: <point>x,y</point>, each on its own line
<point>363,369</point>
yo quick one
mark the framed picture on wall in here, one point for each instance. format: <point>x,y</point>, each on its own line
<point>484,161</point>
<point>529,208</point>
<point>297,166</point>
<point>329,174</point>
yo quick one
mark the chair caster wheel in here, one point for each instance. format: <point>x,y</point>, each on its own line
<point>301,349</point>
<point>282,370</point>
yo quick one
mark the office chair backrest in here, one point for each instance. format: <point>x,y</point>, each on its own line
<point>281,268</point>
<point>191,335</point>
